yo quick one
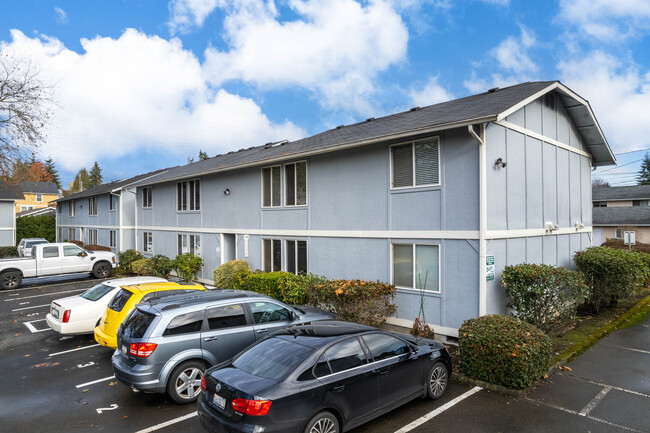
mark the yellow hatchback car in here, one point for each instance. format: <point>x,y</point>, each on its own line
<point>127,298</point>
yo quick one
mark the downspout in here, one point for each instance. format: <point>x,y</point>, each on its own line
<point>482,162</point>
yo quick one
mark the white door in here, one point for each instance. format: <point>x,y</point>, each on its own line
<point>597,237</point>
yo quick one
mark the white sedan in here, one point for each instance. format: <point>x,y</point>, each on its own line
<point>81,313</point>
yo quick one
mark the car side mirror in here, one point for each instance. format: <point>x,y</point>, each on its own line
<point>83,254</point>
<point>293,315</point>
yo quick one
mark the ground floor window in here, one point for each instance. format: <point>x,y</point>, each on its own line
<point>112,239</point>
<point>618,233</point>
<point>71,234</point>
<point>147,242</point>
<point>272,255</point>
<point>297,257</point>
<point>60,235</point>
<point>416,266</point>
<point>294,253</point>
<point>92,236</point>
<point>189,244</point>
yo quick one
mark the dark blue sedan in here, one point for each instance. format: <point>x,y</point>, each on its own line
<point>324,377</point>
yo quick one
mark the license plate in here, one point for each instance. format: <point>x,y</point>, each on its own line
<point>219,401</point>
<point>55,313</point>
<point>124,349</point>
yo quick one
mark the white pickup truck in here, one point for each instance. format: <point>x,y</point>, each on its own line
<point>55,259</point>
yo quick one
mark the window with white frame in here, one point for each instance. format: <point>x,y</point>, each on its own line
<point>112,202</point>
<point>618,233</point>
<point>296,257</point>
<point>271,187</point>
<point>272,255</point>
<point>92,236</point>
<point>24,208</point>
<point>112,238</point>
<point>59,208</point>
<point>147,196</point>
<point>415,164</point>
<point>39,197</point>
<point>147,242</point>
<point>189,244</point>
<point>92,205</point>
<point>295,184</point>
<point>188,195</point>
<point>71,208</point>
<point>416,266</point>
<point>71,234</point>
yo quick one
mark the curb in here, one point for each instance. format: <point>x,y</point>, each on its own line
<point>464,380</point>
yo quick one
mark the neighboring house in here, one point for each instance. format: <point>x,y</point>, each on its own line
<point>104,215</point>
<point>9,194</point>
<point>448,194</point>
<point>618,209</point>
<point>37,212</point>
<point>37,195</point>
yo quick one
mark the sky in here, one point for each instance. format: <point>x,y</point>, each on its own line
<point>146,84</point>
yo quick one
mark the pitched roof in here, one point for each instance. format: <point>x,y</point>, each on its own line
<point>106,188</point>
<point>613,193</point>
<point>621,216</point>
<point>493,105</point>
<point>39,187</point>
<point>10,192</point>
<point>36,212</point>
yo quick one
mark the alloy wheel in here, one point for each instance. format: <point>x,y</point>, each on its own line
<point>188,384</point>
<point>323,425</point>
<point>438,381</point>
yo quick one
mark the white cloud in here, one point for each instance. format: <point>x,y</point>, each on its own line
<point>139,92</point>
<point>619,94</point>
<point>429,94</point>
<point>607,20</point>
<point>188,14</point>
<point>61,15</point>
<point>335,48</point>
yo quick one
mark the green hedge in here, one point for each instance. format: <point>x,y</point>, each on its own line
<point>503,350</point>
<point>41,226</point>
<point>283,286</point>
<point>126,258</point>
<point>612,274</point>
<point>543,295</point>
<point>142,267</point>
<point>8,252</point>
<point>225,275</point>
<point>187,266</point>
<point>162,266</point>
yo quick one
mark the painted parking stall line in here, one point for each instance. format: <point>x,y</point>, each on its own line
<point>30,308</point>
<point>95,381</point>
<point>74,350</point>
<point>45,294</point>
<point>594,402</point>
<point>33,328</point>
<point>168,423</point>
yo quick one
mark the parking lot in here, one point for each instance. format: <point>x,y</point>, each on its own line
<point>57,383</point>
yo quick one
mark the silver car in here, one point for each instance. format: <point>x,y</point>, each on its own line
<point>167,345</point>
<point>26,244</point>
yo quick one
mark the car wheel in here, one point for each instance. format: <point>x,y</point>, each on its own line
<point>184,385</point>
<point>102,270</point>
<point>437,381</point>
<point>10,280</point>
<point>323,422</point>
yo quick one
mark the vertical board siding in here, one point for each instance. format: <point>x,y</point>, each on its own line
<point>497,196</point>
<point>516,182</point>
<point>534,184</point>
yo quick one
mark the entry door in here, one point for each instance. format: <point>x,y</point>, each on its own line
<point>598,237</point>
<point>228,247</point>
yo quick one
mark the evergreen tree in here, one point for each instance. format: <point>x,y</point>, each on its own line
<point>203,156</point>
<point>95,176</point>
<point>53,172</point>
<point>81,181</point>
<point>643,177</point>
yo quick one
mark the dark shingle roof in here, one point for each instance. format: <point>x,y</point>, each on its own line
<point>10,192</point>
<point>636,192</point>
<point>472,109</point>
<point>39,187</point>
<point>627,216</point>
<point>108,187</point>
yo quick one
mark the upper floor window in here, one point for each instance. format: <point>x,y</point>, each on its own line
<point>71,209</point>
<point>147,197</point>
<point>188,195</point>
<point>39,197</point>
<point>92,206</point>
<point>112,202</point>
<point>415,164</point>
<point>416,267</point>
<point>59,209</point>
<point>271,190</point>
<point>295,184</point>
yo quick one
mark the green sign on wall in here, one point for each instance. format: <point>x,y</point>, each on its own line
<point>489,267</point>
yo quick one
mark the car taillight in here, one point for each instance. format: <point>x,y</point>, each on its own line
<point>251,407</point>
<point>142,350</point>
<point>66,316</point>
<point>204,387</point>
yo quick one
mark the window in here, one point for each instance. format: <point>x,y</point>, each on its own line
<point>226,316</point>
<point>50,252</point>
<point>72,250</point>
<point>147,197</point>
<point>189,244</point>
<point>96,292</point>
<point>59,209</point>
<point>295,182</point>
<point>71,206</point>
<point>271,190</point>
<point>600,204</point>
<point>112,239</point>
<point>71,234</point>
<point>297,257</point>
<point>24,208</point>
<point>92,236</point>
<point>39,198</point>
<point>147,242</point>
<point>264,312</point>
<point>384,346</point>
<point>416,267</point>
<point>272,255</point>
<point>185,324</point>
<point>112,202</point>
<point>340,357</point>
<point>60,237</point>
<point>618,234</point>
<point>120,300</point>
<point>136,324</point>
<point>92,206</point>
<point>188,195</point>
<point>415,164</point>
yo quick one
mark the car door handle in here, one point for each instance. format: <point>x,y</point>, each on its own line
<point>339,388</point>
<point>262,331</point>
<point>383,373</point>
<point>210,338</point>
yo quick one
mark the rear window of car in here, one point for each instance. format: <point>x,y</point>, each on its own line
<point>273,358</point>
<point>136,324</point>
<point>30,244</point>
<point>120,300</point>
<point>97,292</point>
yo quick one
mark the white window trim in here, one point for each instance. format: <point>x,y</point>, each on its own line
<point>281,187</point>
<point>413,143</point>
<point>92,232</point>
<point>112,238</point>
<point>71,208</point>
<point>414,288</point>
<point>282,254</point>
<point>283,182</point>
<point>39,198</point>
<point>188,243</point>
<point>187,192</point>
<point>92,206</point>
<point>144,244</point>
<point>111,202</point>
<point>144,193</point>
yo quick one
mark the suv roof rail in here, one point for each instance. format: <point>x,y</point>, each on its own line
<point>186,299</point>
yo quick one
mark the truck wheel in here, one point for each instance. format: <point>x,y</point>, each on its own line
<point>10,280</point>
<point>102,270</point>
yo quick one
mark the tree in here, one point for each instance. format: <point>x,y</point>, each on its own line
<point>203,156</point>
<point>28,171</point>
<point>95,178</point>
<point>25,103</point>
<point>80,182</point>
<point>53,172</point>
<point>599,183</point>
<point>643,177</point>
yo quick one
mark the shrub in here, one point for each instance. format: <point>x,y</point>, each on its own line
<point>142,267</point>
<point>611,274</point>
<point>162,266</point>
<point>97,248</point>
<point>77,243</point>
<point>543,295</point>
<point>9,251</point>
<point>283,286</point>
<point>503,350</point>
<point>226,274</point>
<point>187,266</point>
<point>127,257</point>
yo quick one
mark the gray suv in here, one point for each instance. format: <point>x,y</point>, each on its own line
<point>166,345</point>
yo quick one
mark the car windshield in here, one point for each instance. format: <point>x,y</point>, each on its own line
<point>136,324</point>
<point>96,292</point>
<point>120,300</point>
<point>273,359</point>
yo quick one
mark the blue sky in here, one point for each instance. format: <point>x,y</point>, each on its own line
<point>145,84</point>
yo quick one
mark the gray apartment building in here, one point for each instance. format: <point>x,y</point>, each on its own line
<point>9,194</point>
<point>438,198</point>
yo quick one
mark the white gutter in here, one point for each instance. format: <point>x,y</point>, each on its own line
<point>482,231</point>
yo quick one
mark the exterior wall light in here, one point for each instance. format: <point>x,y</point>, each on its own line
<point>227,191</point>
<point>500,163</point>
